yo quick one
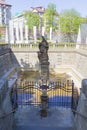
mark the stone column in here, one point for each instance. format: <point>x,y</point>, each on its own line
<point>78,39</point>
<point>11,32</point>
<point>43,31</point>
<point>35,34</point>
<point>51,34</point>
<point>86,40</point>
<point>26,34</point>
<point>17,33</point>
<point>6,38</point>
<point>21,33</point>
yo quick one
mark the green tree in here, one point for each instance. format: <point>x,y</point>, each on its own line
<point>69,21</point>
<point>0,35</point>
<point>32,19</point>
<point>50,16</point>
<point>84,19</point>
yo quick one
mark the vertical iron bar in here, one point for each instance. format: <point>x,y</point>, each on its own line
<point>67,92</point>
<point>72,105</point>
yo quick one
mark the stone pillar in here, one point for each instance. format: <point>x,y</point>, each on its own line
<point>17,33</point>
<point>35,34</point>
<point>6,38</point>
<point>43,31</point>
<point>21,33</point>
<point>78,39</point>
<point>86,40</point>
<point>44,104</point>
<point>51,34</point>
<point>45,71</point>
<point>26,34</point>
<point>11,32</point>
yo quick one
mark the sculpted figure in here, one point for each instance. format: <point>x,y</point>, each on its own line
<point>43,53</point>
<point>43,59</point>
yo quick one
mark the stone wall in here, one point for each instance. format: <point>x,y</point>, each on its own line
<point>6,123</point>
<point>7,61</point>
<point>81,116</point>
<point>81,63</point>
<point>58,59</point>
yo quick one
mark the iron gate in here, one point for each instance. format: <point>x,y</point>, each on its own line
<point>60,94</point>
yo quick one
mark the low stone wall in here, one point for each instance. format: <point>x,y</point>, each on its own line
<point>7,61</point>
<point>8,65</point>
<point>6,121</point>
<point>73,58</point>
<point>7,88</point>
<point>81,117</point>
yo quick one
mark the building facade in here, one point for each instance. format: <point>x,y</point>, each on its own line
<point>39,10</point>
<point>5,12</point>
<point>18,30</point>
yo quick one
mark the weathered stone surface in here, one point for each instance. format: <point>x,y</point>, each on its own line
<point>84,86</point>
<point>81,117</point>
<point>58,57</point>
<point>7,61</point>
<point>80,121</point>
<point>6,123</point>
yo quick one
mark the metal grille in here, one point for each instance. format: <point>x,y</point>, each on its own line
<point>60,94</point>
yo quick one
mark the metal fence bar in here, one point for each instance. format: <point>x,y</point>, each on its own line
<point>60,94</point>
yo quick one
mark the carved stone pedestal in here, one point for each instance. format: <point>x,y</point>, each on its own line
<point>44,104</point>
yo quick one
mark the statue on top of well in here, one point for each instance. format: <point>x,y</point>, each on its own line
<point>43,53</point>
<point>44,59</point>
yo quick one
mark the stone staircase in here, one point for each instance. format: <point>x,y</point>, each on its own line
<point>59,59</point>
<point>27,58</point>
<point>57,119</point>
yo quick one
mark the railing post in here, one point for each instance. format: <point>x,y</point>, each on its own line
<point>72,105</point>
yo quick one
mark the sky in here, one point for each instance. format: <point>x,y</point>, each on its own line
<point>18,6</point>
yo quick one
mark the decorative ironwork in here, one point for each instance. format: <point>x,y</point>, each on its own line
<point>60,94</point>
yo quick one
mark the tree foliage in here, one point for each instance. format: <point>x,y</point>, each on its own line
<point>50,16</point>
<point>69,21</point>
<point>84,19</point>
<point>0,35</point>
<point>32,19</point>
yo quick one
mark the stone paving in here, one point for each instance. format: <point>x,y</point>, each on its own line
<point>58,118</point>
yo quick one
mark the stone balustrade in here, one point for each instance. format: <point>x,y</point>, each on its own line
<point>4,46</point>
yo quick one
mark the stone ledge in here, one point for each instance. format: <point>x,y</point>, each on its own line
<point>76,76</point>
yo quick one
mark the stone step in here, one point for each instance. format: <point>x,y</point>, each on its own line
<point>42,128</point>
